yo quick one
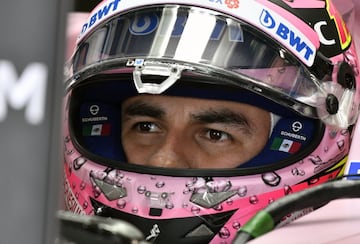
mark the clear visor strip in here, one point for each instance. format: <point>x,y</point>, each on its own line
<point>344,112</point>
<point>344,115</point>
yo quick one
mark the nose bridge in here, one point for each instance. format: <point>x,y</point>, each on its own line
<point>171,153</point>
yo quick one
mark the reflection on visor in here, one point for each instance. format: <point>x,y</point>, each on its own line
<point>183,34</point>
<point>193,37</point>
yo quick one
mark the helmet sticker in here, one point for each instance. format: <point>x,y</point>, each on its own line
<point>327,22</point>
<point>95,120</point>
<point>354,169</point>
<point>344,34</point>
<point>289,37</point>
<point>104,11</point>
<point>290,136</point>
<point>285,145</point>
<point>300,38</point>
<point>154,232</point>
<point>96,130</point>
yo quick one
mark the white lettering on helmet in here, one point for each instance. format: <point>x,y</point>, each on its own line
<point>304,50</point>
<point>323,40</point>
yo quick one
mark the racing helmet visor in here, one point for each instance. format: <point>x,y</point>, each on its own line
<point>205,41</point>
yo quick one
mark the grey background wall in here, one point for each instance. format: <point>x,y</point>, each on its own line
<point>31,59</point>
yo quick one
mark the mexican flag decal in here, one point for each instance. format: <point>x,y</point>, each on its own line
<point>285,145</point>
<point>96,130</point>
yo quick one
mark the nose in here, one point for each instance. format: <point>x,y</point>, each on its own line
<point>171,153</point>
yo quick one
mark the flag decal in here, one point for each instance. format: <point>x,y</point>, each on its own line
<point>96,130</point>
<point>285,145</point>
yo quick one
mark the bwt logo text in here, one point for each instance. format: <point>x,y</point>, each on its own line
<point>27,91</point>
<point>302,48</point>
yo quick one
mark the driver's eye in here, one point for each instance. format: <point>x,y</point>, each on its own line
<point>146,127</point>
<point>216,135</point>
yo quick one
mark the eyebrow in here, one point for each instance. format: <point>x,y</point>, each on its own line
<point>206,116</point>
<point>222,115</point>
<point>140,108</point>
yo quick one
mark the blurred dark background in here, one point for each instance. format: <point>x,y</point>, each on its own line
<point>85,5</point>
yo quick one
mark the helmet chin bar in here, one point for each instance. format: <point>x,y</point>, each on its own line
<point>171,71</point>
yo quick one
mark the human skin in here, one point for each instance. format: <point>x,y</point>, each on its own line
<point>178,132</point>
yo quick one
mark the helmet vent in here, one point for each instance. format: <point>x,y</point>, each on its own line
<point>346,76</point>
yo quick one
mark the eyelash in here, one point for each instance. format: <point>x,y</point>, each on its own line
<point>138,126</point>
<point>211,132</point>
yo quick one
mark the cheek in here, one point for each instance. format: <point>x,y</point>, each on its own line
<point>236,156</point>
<point>137,154</point>
<point>134,152</point>
<point>260,134</point>
<point>130,151</point>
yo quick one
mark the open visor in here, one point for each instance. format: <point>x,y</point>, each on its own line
<point>170,40</point>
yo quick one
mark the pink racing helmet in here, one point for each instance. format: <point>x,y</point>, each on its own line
<point>297,62</point>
